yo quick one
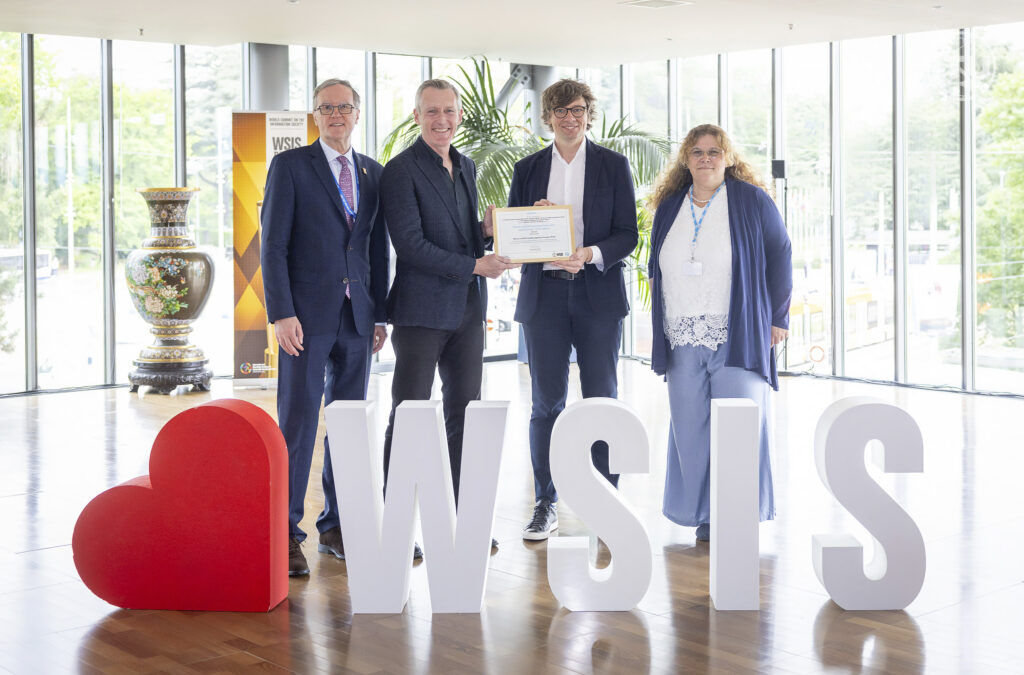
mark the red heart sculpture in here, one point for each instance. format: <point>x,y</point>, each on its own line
<point>207,529</point>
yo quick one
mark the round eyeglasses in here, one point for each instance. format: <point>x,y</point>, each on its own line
<point>577,111</point>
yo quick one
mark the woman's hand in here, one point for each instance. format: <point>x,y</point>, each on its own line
<point>778,335</point>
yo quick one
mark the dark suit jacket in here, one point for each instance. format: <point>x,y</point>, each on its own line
<point>432,274</point>
<point>609,222</point>
<point>308,252</point>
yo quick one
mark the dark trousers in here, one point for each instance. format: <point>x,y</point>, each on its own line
<point>332,368</point>
<point>564,319</point>
<point>458,357</point>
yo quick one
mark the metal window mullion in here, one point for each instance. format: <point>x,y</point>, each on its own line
<point>838,280</point>
<point>968,319</point>
<point>28,182</point>
<point>180,156</point>
<point>779,150</point>
<point>310,76</point>
<point>626,107</point>
<point>370,104</point>
<point>426,68</point>
<point>246,78</point>
<point>899,210</point>
<point>674,114</point>
<point>723,91</point>
<point>109,254</point>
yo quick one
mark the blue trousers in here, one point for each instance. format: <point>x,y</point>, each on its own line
<point>564,319</point>
<point>332,368</point>
<point>695,375</point>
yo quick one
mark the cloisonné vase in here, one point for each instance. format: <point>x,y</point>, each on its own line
<point>169,281</point>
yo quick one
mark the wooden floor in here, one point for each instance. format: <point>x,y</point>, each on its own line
<point>57,451</point>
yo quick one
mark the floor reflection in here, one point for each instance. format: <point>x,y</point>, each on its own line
<point>877,642</point>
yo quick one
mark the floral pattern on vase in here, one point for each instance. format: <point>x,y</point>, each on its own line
<point>169,280</point>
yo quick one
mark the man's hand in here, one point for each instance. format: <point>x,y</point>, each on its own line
<point>778,335</point>
<point>491,266</point>
<point>380,336</point>
<point>289,335</point>
<point>544,202</point>
<point>576,261</point>
<point>488,224</point>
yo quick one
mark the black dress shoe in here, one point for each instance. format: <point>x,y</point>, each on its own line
<point>331,542</point>
<point>297,566</point>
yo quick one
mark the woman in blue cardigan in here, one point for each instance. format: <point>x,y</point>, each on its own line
<point>721,279</point>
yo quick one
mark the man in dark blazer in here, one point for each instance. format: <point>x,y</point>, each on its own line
<point>578,302</point>
<point>438,299</point>
<point>325,276</point>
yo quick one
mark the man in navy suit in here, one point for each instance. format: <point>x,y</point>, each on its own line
<point>438,299</point>
<point>578,302</point>
<point>325,275</point>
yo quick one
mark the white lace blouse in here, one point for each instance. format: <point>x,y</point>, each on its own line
<point>697,306</point>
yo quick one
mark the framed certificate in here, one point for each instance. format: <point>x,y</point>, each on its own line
<point>534,233</point>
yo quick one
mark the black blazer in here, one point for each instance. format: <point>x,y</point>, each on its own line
<point>432,275</point>
<point>609,222</point>
<point>307,250</point>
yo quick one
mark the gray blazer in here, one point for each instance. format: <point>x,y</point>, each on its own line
<point>432,275</point>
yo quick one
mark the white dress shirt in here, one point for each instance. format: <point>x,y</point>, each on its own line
<point>565,186</point>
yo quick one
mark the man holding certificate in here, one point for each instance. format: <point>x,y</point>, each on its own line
<point>438,299</point>
<point>578,301</point>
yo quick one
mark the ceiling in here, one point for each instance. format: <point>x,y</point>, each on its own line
<point>546,32</point>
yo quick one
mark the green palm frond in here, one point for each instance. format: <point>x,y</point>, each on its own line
<point>647,151</point>
<point>400,138</point>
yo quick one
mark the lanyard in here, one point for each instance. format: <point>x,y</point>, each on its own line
<point>355,179</point>
<point>698,223</point>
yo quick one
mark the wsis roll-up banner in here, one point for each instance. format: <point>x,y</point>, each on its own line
<point>255,138</point>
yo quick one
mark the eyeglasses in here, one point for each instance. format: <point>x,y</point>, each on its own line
<point>327,109</point>
<point>578,112</point>
<point>712,153</point>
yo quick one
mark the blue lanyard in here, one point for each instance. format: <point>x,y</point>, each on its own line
<point>698,223</point>
<point>341,193</point>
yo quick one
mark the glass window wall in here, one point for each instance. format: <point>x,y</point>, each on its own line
<point>350,65</point>
<point>12,228</point>
<point>214,88</point>
<point>932,105</point>
<point>806,202</point>
<point>697,84</point>
<point>999,179</point>
<point>867,207</point>
<point>143,157</point>
<point>68,211</point>
<point>750,107</point>
<point>298,97</point>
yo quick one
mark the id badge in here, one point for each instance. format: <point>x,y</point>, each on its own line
<point>692,268</point>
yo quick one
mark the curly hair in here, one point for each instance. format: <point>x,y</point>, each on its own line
<point>676,177</point>
<point>563,93</point>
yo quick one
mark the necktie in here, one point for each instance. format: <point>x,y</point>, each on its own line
<point>345,181</point>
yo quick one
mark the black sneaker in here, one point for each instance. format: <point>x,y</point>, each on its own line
<point>543,523</point>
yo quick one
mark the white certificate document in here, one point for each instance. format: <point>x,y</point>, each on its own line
<point>534,233</point>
